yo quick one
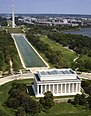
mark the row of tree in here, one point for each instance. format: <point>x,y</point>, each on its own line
<point>24,104</point>
<point>54,56</point>
<point>80,44</point>
<point>8,52</point>
<point>44,30</point>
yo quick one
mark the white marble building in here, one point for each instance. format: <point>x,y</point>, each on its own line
<point>61,82</point>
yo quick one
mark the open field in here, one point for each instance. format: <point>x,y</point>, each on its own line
<point>65,109</point>
<point>11,30</point>
<point>84,57</point>
<point>14,30</point>
<point>68,55</point>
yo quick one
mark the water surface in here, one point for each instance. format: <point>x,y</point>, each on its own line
<point>82,31</point>
<point>29,56</point>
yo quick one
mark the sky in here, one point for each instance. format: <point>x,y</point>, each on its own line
<point>47,6</point>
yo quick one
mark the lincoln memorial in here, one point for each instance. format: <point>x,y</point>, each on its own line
<point>61,82</point>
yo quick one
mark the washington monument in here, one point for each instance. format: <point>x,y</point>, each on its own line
<point>13,15</point>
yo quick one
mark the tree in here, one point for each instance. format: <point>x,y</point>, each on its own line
<point>30,105</point>
<point>80,99</point>
<point>88,64</point>
<point>20,111</point>
<point>42,102</point>
<point>48,95</point>
<point>89,101</point>
<point>89,53</point>
<point>14,93</point>
<point>47,102</point>
<point>13,103</point>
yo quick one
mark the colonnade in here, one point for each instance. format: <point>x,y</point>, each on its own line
<point>65,88</point>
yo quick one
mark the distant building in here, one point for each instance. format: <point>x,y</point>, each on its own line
<point>61,82</point>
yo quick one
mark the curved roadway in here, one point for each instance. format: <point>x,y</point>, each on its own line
<point>15,77</point>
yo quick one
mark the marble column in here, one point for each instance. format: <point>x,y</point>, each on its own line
<point>69,88</point>
<point>41,89</point>
<point>37,89</point>
<point>61,88</point>
<point>49,87</point>
<point>73,88</point>
<point>65,88</point>
<point>57,88</point>
<point>79,86</point>
<point>53,88</point>
<point>76,87</point>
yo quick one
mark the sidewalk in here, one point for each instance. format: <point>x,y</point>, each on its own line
<point>15,77</point>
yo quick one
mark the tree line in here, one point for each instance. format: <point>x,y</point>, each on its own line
<point>54,56</point>
<point>8,52</point>
<point>78,43</point>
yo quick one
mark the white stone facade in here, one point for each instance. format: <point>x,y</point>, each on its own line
<point>61,82</point>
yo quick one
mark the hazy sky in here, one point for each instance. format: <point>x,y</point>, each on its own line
<point>47,6</point>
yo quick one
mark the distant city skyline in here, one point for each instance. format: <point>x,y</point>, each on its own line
<point>47,6</point>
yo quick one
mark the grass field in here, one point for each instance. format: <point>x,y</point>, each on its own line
<point>68,55</point>
<point>84,57</point>
<point>14,30</point>
<point>11,30</point>
<point>65,109</point>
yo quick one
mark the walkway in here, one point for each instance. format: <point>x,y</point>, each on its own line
<point>84,75</point>
<point>15,77</point>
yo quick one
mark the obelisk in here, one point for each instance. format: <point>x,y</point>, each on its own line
<point>13,15</point>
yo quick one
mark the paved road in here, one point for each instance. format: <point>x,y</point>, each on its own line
<point>31,76</point>
<point>84,75</point>
<point>15,77</point>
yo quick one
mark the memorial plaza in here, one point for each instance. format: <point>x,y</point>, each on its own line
<point>61,82</point>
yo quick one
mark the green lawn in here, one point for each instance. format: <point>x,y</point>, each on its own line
<point>65,109</point>
<point>68,55</point>
<point>14,30</point>
<point>84,57</point>
<point>4,95</point>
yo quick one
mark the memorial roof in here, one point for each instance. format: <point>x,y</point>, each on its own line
<point>56,72</point>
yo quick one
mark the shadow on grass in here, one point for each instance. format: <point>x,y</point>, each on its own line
<point>30,91</point>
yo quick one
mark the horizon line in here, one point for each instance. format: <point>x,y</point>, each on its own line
<point>51,13</point>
